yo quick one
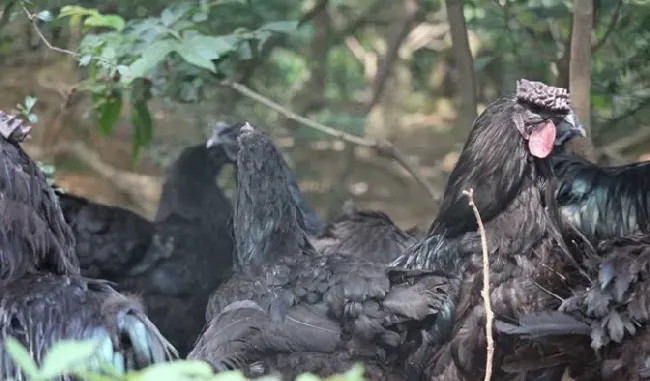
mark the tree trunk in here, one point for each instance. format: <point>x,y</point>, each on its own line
<point>466,89</point>
<point>580,73</point>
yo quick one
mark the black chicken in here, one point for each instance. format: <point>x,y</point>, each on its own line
<point>110,240</point>
<point>43,298</point>
<point>603,203</point>
<point>368,234</point>
<point>174,262</point>
<point>289,310</point>
<point>225,135</point>
<point>505,162</point>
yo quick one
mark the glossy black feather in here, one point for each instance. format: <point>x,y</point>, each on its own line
<point>368,234</point>
<point>603,202</point>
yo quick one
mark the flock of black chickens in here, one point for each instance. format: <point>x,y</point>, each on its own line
<point>266,287</point>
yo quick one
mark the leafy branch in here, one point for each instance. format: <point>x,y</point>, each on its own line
<point>114,68</point>
<point>73,357</point>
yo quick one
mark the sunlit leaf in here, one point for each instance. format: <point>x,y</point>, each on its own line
<point>200,50</point>
<point>155,53</point>
<point>45,16</point>
<point>176,370</point>
<point>20,355</point>
<point>110,21</point>
<point>67,355</point>
<point>30,102</point>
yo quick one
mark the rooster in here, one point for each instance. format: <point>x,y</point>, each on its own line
<point>43,298</point>
<point>505,161</point>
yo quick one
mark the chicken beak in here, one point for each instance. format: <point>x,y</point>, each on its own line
<point>568,128</point>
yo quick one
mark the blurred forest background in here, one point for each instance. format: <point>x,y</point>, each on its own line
<point>122,86</point>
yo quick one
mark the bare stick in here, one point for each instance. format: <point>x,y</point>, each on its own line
<point>489,314</point>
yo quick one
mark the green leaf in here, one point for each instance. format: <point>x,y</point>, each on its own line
<point>176,370</point>
<point>33,118</point>
<point>20,355</point>
<point>174,13</point>
<point>63,357</point>
<point>76,10</point>
<point>281,26</point>
<point>200,50</point>
<point>140,116</point>
<point>45,16</point>
<point>155,53</point>
<point>30,102</point>
<point>110,21</point>
<point>108,110</point>
<point>85,60</point>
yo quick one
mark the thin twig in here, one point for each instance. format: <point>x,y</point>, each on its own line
<point>48,44</point>
<point>382,148</point>
<point>610,28</point>
<point>489,314</point>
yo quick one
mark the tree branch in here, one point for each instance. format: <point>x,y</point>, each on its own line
<point>610,28</point>
<point>382,148</point>
<point>392,54</point>
<point>489,314</point>
<point>147,186</point>
<point>310,14</point>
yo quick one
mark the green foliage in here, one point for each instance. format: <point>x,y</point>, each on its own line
<point>25,109</point>
<point>178,55</point>
<point>73,358</point>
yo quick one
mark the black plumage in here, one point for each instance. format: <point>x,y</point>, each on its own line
<point>175,261</point>
<point>603,202</point>
<point>505,162</point>
<point>42,296</point>
<point>225,135</point>
<point>109,239</point>
<point>369,234</point>
<point>289,310</point>
<point>601,330</point>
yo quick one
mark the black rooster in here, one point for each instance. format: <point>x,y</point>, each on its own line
<point>43,298</point>
<point>505,162</point>
<point>289,310</point>
<point>603,203</point>
<point>174,262</point>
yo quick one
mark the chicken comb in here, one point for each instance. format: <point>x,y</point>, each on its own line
<point>13,128</point>
<point>542,95</point>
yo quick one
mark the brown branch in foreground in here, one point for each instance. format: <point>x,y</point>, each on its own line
<point>489,314</point>
<point>383,148</point>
